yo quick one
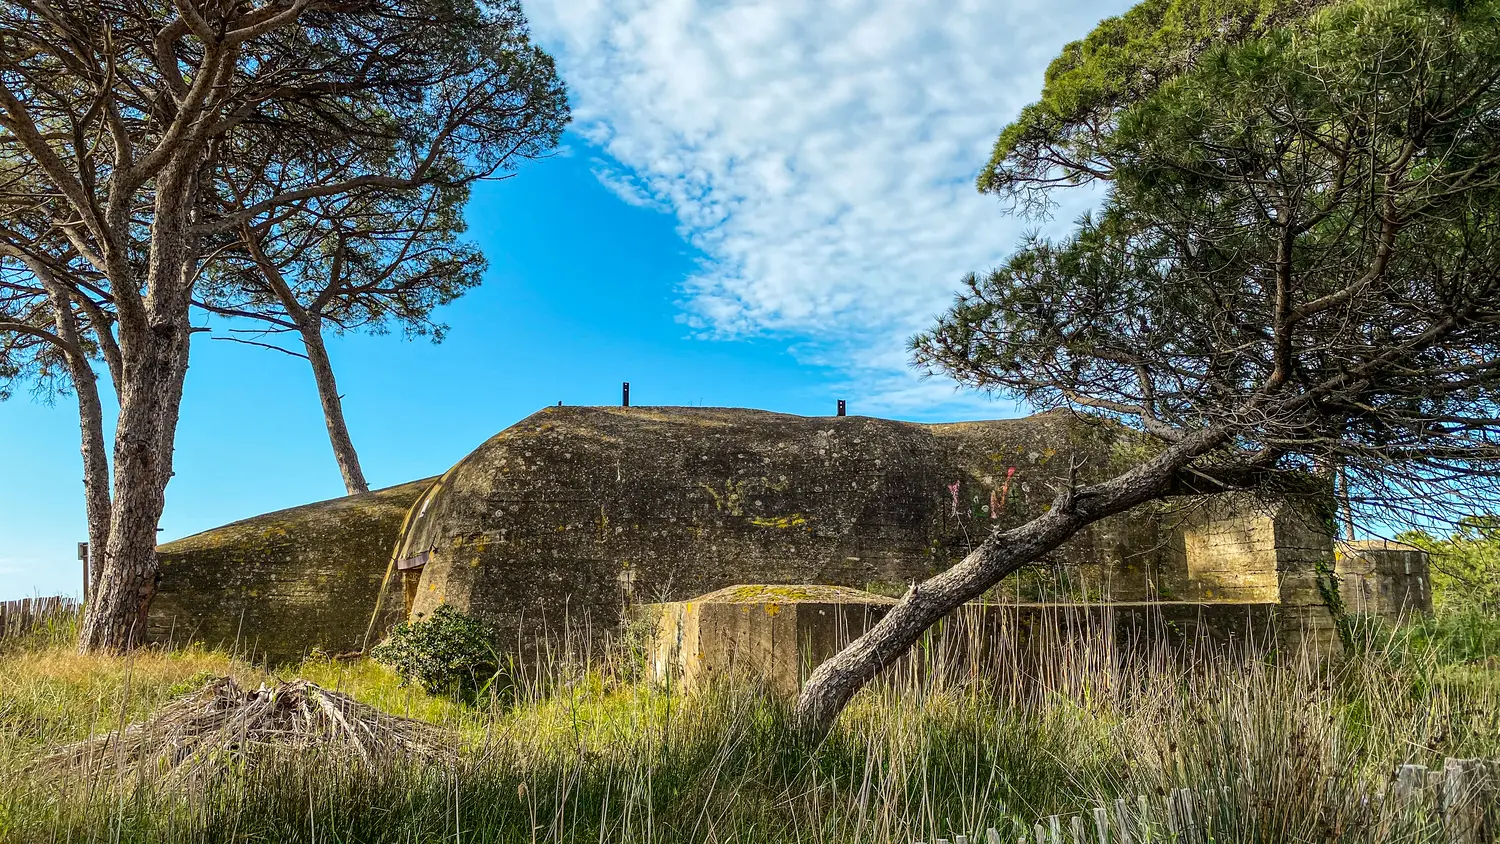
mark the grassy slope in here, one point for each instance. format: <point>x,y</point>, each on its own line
<point>592,757</point>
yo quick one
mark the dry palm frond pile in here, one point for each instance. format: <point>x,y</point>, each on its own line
<point>222,723</point>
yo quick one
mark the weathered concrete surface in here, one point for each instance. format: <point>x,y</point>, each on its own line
<point>563,522</point>
<point>579,512</point>
<point>778,634</point>
<point>1241,549</point>
<point>998,637</point>
<point>770,634</point>
<point>282,584</point>
<point>1384,578</point>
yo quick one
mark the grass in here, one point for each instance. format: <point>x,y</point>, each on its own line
<point>1463,637</point>
<point>591,755</point>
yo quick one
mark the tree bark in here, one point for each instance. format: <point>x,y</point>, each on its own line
<point>834,682</point>
<point>90,417</point>
<point>154,337</point>
<point>333,408</point>
<point>149,400</point>
<point>92,448</point>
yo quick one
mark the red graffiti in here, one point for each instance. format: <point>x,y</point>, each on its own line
<point>1005,487</point>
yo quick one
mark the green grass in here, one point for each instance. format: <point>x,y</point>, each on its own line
<point>592,756</point>
<point>1465,637</point>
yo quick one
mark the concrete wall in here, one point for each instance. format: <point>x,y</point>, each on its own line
<point>573,514</point>
<point>770,634</point>
<point>1384,578</point>
<point>1231,557</point>
<point>778,634</point>
<point>282,584</point>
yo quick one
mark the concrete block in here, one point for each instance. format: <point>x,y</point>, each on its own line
<point>1383,578</point>
<point>774,634</point>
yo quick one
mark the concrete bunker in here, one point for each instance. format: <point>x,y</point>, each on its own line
<point>570,517</point>
<point>562,523</point>
<point>282,584</point>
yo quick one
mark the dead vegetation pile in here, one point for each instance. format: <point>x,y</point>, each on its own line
<point>222,724</point>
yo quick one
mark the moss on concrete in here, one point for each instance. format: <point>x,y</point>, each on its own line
<point>791,594</point>
<point>282,584</point>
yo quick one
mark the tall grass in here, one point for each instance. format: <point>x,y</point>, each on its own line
<point>590,754</point>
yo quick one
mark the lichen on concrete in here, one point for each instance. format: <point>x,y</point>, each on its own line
<point>280,585</point>
<point>801,593</point>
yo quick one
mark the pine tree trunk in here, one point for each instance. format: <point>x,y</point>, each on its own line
<point>149,400</point>
<point>333,409</point>
<point>154,337</point>
<point>95,469</point>
<point>833,683</point>
<point>90,424</point>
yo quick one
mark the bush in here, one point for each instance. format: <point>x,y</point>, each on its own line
<point>447,653</point>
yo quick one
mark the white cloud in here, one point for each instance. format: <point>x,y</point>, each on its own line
<point>626,186</point>
<point>822,154</point>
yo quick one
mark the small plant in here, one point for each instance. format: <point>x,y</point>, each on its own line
<point>1328,589</point>
<point>447,653</point>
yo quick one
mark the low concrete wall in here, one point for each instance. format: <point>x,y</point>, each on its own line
<point>1384,578</point>
<point>778,634</point>
<point>774,634</point>
<point>999,639</point>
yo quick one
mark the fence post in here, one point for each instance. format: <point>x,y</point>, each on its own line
<point>1466,791</point>
<point>83,557</point>
<point>1101,824</point>
<point>1409,782</point>
<point>1189,814</point>
<point>1122,820</point>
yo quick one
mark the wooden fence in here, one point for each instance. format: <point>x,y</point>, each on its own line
<point>1462,799</point>
<point>17,617</point>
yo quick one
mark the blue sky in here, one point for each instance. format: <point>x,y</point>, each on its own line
<point>756,205</point>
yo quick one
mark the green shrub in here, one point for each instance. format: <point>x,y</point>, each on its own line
<point>449,652</point>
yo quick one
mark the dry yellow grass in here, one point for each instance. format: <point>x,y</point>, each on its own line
<point>1293,747</point>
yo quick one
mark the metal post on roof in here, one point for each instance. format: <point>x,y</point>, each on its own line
<point>625,395</point>
<point>841,407</point>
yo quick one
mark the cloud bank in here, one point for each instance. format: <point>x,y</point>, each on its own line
<point>821,154</point>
